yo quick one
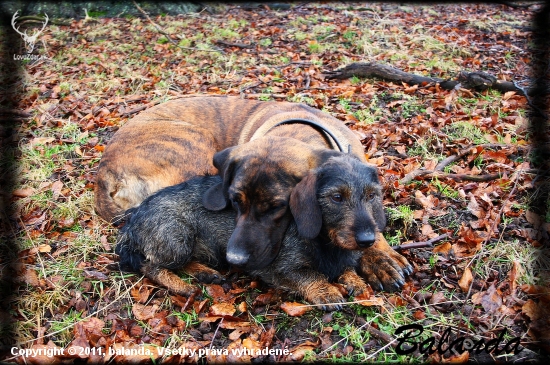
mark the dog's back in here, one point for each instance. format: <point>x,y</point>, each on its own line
<point>171,228</point>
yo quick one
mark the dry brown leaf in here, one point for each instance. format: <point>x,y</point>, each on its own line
<point>443,249</point>
<point>299,352</point>
<point>423,200</point>
<point>30,277</point>
<point>466,280</point>
<point>242,307</point>
<point>144,312</point>
<point>238,332</point>
<point>222,309</point>
<point>513,274</point>
<point>490,300</point>
<point>40,140</point>
<point>294,309</point>
<point>94,274</point>
<point>263,299</point>
<point>56,188</point>
<point>44,248</point>
<point>366,300</point>
<point>142,293</point>
<point>218,295</point>
<point>474,208</point>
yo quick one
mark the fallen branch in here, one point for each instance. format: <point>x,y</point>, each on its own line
<point>467,80</point>
<point>231,44</point>
<point>462,177</point>
<point>447,161</point>
<point>428,243</point>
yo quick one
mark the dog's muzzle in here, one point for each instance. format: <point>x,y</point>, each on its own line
<point>365,239</point>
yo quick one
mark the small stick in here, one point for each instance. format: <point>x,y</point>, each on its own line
<point>428,243</point>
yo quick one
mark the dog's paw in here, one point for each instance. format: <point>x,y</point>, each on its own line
<point>170,281</point>
<point>203,273</point>
<point>326,294</point>
<point>383,270</point>
<point>353,283</point>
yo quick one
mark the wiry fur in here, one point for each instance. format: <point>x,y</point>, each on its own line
<point>171,230</point>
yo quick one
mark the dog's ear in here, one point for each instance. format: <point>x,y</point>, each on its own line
<point>220,158</point>
<point>379,214</point>
<point>305,208</point>
<point>215,198</point>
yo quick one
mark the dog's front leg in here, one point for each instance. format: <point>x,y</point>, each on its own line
<point>203,273</point>
<point>353,283</point>
<point>382,267</point>
<point>314,287</point>
<point>169,280</point>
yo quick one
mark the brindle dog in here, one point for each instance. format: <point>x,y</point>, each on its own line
<point>171,230</point>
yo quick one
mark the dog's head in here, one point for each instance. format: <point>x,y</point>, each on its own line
<point>258,177</point>
<point>342,197</point>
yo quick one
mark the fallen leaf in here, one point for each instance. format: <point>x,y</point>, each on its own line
<point>242,307</point>
<point>94,274</point>
<point>56,189</point>
<point>222,309</point>
<point>141,294</point>
<point>513,274</point>
<point>466,280</point>
<point>40,140</point>
<point>44,248</point>
<point>490,300</point>
<point>144,312</point>
<point>423,200</point>
<point>299,352</point>
<point>263,299</point>
<point>443,249</point>
<point>366,300</point>
<point>295,309</point>
<point>474,208</point>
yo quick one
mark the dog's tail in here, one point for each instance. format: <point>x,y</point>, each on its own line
<point>129,258</point>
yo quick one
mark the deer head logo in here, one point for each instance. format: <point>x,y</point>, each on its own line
<point>30,40</point>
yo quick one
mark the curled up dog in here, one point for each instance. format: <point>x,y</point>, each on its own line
<point>337,211</point>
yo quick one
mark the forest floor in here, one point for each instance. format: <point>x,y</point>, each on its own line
<point>487,279</point>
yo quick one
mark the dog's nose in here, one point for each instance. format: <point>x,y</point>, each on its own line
<point>237,258</point>
<point>365,239</point>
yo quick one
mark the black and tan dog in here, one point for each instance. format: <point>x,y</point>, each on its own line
<point>332,205</point>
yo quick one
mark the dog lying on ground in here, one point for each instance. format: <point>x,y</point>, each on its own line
<point>177,140</point>
<point>171,231</point>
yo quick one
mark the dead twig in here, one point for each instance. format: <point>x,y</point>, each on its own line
<point>467,80</point>
<point>428,243</point>
<point>231,44</point>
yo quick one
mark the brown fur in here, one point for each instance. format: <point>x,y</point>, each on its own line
<point>177,140</point>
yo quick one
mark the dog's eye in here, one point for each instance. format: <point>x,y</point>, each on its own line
<point>235,202</point>
<point>276,208</point>
<point>337,198</point>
